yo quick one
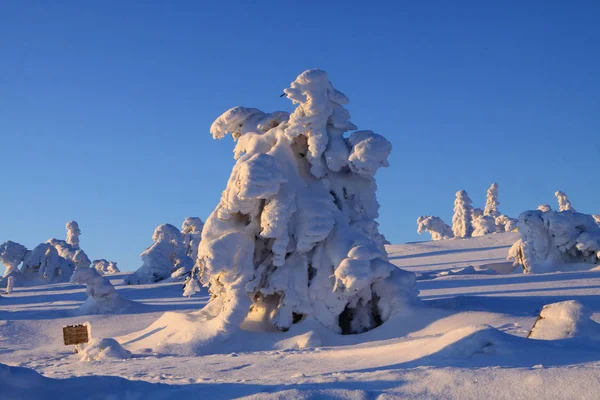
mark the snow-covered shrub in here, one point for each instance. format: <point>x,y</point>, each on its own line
<point>491,202</point>
<point>435,226</point>
<point>191,229</point>
<point>484,225</point>
<point>551,239</point>
<point>463,212</point>
<point>11,255</point>
<point>294,234</point>
<point>102,298</point>
<point>505,223</point>
<point>165,257</point>
<point>544,207</point>
<point>563,202</point>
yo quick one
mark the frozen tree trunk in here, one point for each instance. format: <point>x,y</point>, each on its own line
<point>491,202</point>
<point>463,211</point>
<point>563,202</point>
<point>294,235</point>
<point>11,255</point>
<point>9,284</point>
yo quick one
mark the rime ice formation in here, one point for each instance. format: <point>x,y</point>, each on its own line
<point>435,226</point>
<point>461,220</point>
<point>554,240</point>
<point>191,229</point>
<point>165,257</point>
<point>483,225</point>
<point>294,235</point>
<point>491,202</point>
<point>563,202</point>
<point>102,298</point>
<point>44,264</point>
<point>544,207</point>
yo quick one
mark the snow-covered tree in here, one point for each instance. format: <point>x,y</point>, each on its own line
<point>483,225</point>
<point>294,234</point>
<point>544,207</point>
<point>166,256</point>
<point>505,223</point>
<point>73,233</point>
<point>112,267</point>
<point>105,267</point>
<point>43,264</point>
<point>191,229</point>
<point>563,202</point>
<point>491,202</point>
<point>477,212</point>
<point>435,226</point>
<point>11,255</point>
<point>596,218</point>
<point>551,240</point>
<point>102,298</point>
<point>463,211</point>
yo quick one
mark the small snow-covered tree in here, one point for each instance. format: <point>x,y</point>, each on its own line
<point>191,229</point>
<point>544,207</point>
<point>102,298</point>
<point>294,235</point>
<point>435,226</point>
<point>10,281</point>
<point>483,225</point>
<point>505,223</point>
<point>463,211</point>
<point>563,202</point>
<point>73,233</point>
<point>166,256</point>
<point>491,202</point>
<point>11,255</point>
<point>551,240</point>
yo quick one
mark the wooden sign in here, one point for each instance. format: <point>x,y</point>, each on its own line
<point>75,334</point>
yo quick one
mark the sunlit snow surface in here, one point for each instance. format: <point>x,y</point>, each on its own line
<point>468,341</point>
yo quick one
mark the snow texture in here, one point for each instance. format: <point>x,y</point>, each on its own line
<point>104,349</point>
<point>102,298</point>
<point>463,211</point>
<point>551,240</point>
<point>484,225</point>
<point>563,202</point>
<point>166,257</point>
<point>564,320</point>
<point>294,234</point>
<point>491,202</point>
<point>435,226</point>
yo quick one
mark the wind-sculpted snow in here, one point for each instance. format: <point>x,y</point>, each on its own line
<point>166,257</point>
<point>551,240</point>
<point>435,226</point>
<point>12,255</point>
<point>294,234</point>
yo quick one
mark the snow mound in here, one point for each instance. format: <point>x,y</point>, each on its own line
<point>564,320</point>
<point>104,349</point>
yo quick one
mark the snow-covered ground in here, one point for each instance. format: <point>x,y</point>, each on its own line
<point>468,341</point>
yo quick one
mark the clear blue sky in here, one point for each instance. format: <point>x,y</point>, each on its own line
<point>105,106</point>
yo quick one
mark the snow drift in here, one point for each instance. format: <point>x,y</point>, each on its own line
<point>563,320</point>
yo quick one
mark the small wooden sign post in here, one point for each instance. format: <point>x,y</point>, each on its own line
<point>76,334</point>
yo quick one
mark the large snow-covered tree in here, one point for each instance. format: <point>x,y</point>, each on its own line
<point>463,211</point>
<point>563,202</point>
<point>552,240</point>
<point>435,226</point>
<point>491,202</point>
<point>294,234</point>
